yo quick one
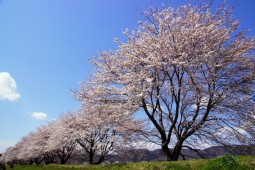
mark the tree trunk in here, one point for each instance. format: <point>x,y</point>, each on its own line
<point>62,157</point>
<point>62,161</point>
<point>49,158</point>
<point>167,152</point>
<point>101,159</point>
<point>172,156</point>
<point>91,157</point>
<point>177,151</point>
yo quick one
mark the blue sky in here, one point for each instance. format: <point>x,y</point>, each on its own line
<point>44,50</point>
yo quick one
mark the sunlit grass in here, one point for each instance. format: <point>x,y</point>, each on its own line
<point>222,163</point>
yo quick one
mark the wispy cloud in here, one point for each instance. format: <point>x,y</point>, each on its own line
<point>39,115</point>
<point>8,87</point>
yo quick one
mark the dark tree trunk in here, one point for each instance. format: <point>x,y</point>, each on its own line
<point>172,155</point>
<point>65,153</point>
<point>63,161</point>
<point>177,151</point>
<point>101,159</point>
<point>38,161</point>
<point>167,152</point>
<point>49,158</point>
<point>31,161</point>
<point>63,157</point>
<point>91,157</point>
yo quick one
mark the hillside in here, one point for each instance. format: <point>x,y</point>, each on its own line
<point>139,155</point>
<point>157,155</point>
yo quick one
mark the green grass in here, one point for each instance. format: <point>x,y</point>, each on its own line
<point>222,163</point>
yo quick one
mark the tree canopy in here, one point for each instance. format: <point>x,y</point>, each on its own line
<point>190,70</point>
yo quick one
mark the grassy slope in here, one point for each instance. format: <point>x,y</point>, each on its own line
<point>223,163</point>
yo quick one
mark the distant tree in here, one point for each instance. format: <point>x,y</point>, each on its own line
<point>40,143</point>
<point>190,70</point>
<point>95,129</point>
<point>28,152</point>
<point>33,148</point>
<point>10,155</point>
<point>97,132</point>
<point>61,139</point>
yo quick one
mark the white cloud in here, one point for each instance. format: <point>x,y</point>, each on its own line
<point>8,87</point>
<point>39,115</point>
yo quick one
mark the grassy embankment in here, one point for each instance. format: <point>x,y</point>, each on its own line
<point>222,163</point>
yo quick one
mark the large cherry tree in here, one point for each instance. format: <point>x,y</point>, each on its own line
<point>189,70</point>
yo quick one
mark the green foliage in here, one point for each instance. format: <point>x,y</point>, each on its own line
<point>222,163</point>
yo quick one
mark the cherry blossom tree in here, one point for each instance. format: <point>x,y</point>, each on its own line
<point>27,154</point>
<point>40,143</point>
<point>10,155</point>
<point>190,70</point>
<point>1,158</point>
<point>61,139</point>
<point>33,147</point>
<point>14,155</point>
<point>97,131</point>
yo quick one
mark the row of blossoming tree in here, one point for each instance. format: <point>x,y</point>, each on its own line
<point>188,73</point>
<point>92,131</point>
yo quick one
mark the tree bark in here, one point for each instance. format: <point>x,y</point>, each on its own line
<point>177,151</point>
<point>91,157</point>
<point>167,152</point>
